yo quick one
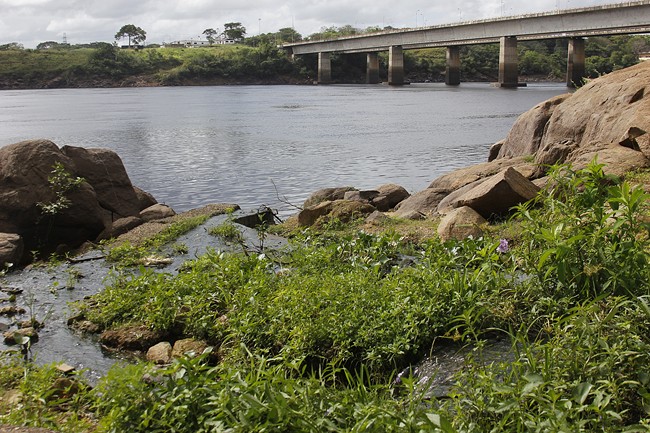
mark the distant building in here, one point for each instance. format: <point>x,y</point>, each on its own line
<point>643,57</point>
<point>192,43</point>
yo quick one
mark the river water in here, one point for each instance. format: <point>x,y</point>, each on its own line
<point>190,146</point>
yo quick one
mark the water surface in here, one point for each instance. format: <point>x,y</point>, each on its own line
<point>190,146</point>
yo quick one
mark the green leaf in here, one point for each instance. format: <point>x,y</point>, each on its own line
<point>581,392</point>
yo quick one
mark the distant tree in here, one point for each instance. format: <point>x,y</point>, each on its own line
<point>287,34</point>
<point>210,35</point>
<point>51,45</point>
<point>234,31</point>
<point>11,46</point>
<point>134,33</point>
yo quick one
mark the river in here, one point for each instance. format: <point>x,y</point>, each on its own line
<point>190,146</point>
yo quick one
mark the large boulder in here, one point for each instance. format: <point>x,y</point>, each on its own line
<point>526,134</point>
<point>463,176</point>
<point>104,170</point>
<point>390,195</point>
<point>609,112</point>
<point>25,168</point>
<point>53,197</point>
<point>498,194</point>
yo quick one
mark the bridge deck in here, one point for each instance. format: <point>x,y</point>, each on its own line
<point>622,18</point>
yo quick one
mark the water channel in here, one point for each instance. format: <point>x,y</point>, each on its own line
<point>190,146</point>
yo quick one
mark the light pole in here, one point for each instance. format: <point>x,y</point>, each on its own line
<point>259,26</point>
<point>416,17</point>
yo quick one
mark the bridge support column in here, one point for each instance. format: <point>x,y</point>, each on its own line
<point>452,76</point>
<point>396,65</point>
<point>324,68</point>
<point>508,67</point>
<point>575,63</point>
<point>372,68</point>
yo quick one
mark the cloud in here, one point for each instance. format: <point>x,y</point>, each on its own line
<point>33,21</point>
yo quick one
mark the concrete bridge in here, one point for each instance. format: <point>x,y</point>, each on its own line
<point>573,24</point>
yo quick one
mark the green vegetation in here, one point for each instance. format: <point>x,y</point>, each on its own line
<point>258,59</point>
<point>311,340</point>
<point>127,254</point>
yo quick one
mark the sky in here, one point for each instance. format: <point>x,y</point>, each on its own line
<point>30,22</point>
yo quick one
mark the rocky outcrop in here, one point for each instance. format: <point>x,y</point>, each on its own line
<point>606,114</point>
<point>53,197</point>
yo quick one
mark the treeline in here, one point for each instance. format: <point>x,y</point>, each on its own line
<point>260,59</point>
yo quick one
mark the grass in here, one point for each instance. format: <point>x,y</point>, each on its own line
<point>310,340</point>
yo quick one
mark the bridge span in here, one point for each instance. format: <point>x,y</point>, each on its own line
<point>572,24</point>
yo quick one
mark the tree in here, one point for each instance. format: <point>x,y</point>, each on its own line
<point>134,33</point>
<point>234,31</point>
<point>11,46</point>
<point>287,34</point>
<point>210,35</point>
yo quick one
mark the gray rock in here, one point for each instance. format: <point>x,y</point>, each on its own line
<point>120,227</point>
<point>424,202</point>
<point>327,194</point>
<point>390,195</point>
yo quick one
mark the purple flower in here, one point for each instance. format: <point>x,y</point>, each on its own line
<point>503,246</point>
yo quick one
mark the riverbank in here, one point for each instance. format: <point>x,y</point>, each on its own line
<point>312,337</point>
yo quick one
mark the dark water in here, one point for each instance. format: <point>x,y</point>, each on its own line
<point>190,146</point>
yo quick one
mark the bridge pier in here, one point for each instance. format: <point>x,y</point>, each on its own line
<point>452,75</point>
<point>508,66</point>
<point>324,68</point>
<point>395,65</point>
<point>575,63</point>
<point>372,68</point>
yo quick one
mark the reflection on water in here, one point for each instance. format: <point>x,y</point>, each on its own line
<point>194,145</point>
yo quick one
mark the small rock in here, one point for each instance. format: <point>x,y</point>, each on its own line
<point>364,196</point>
<point>4,327</point>
<point>161,353</point>
<point>188,347</point>
<point>412,215</point>
<point>32,323</point>
<point>86,327</point>
<point>11,290</point>
<point>65,368</point>
<point>390,195</point>
<point>14,337</point>
<point>11,310</point>
<point>326,194</point>
<point>157,212</point>
<point>136,337</point>
<point>461,223</point>
<point>64,388</point>
<point>376,218</point>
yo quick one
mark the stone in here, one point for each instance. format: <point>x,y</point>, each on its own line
<point>364,196</point>
<point>160,353</point>
<point>461,223</point>
<point>390,195</point>
<point>86,327</point>
<point>145,199</point>
<point>459,178</point>
<point>497,195</point>
<point>493,153</point>
<point>130,337</point>
<point>104,170</point>
<point>412,215</point>
<point>526,134</point>
<point>11,310</point>
<point>11,249</point>
<point>188,347</point>
<point>119,227</point>
<point>156,212</point>
<point>423,202</point>
<point>617,160</point>
<point>13,337</point>
<point>326,194</point>
<point>63,388</point>
<point>65,368</point>
<point>376,218</point>
<point>343,210</point>
<point>24,171</point>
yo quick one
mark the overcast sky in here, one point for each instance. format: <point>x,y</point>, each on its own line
<point>32,21</point>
